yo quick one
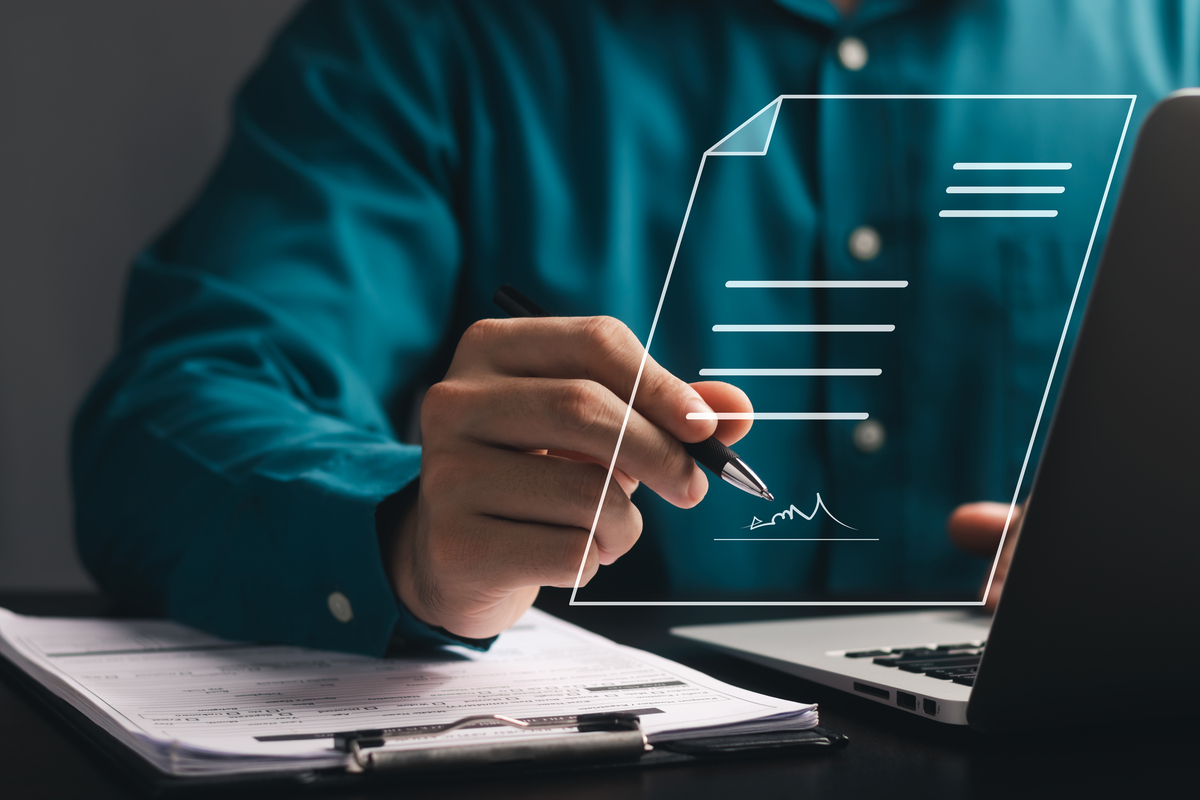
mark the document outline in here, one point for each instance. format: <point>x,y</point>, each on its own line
<point>778,102</point>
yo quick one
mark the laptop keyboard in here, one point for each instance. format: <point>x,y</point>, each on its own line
<point>945,662</point>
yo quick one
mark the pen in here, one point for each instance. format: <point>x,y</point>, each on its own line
<point>711,453</point>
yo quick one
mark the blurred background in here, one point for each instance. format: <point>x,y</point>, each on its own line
<point>112,112</point>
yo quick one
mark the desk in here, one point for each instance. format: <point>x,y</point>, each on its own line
<point>891,754</point>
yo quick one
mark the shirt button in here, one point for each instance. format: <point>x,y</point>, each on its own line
<point>864,243</point>
<point>869,436</point>
<point>339,606</point>
<point>852,53</point>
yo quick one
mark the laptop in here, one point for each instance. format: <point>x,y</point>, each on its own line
<point>1099,620</point>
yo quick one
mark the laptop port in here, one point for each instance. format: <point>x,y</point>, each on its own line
<point>874,691</point>
<point>906,700</point>
<point>929,706</point>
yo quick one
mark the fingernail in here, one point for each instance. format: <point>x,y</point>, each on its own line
<point>698,486</point>
<point>697,406</point>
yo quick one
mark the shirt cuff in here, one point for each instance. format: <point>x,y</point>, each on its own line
<point>410,630</point>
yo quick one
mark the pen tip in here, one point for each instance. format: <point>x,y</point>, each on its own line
<point>768,496</point>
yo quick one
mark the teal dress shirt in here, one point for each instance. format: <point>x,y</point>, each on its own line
<point>392,163</point>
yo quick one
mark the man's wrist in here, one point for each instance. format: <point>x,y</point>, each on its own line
<point>395,526</point>
<point>402,570</point>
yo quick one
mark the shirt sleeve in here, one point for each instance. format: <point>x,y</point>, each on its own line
<point>228,464</point>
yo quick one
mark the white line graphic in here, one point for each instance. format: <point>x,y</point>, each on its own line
<point>1132,98</point>
<point>957,97</point>
<point>791,512</point>
<point>1022,165</point>
<point>1005,189</point>
<point>807,373</point>
<point>987,213</point>
<point>612,464</point>
<point>778,415</point>
<point>803,328</point>
<point>773,603</point>
<point>815,284</point>
<point>713,151</point>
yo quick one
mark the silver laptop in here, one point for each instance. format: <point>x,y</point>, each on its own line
<point>1099,621</point>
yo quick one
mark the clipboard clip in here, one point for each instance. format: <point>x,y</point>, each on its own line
<point>613,736</point>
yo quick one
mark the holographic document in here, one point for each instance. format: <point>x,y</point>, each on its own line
<point>895,282</point>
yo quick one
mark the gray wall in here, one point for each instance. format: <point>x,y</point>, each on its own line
<point>111,114</point>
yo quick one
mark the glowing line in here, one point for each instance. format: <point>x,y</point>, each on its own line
<point>612,464</point>
<point>811,373</point>
<point>989,213</point>
<point>1005,189</point>
<point>815,284</point>
<point>795,540</point>
<point>765,603</point>
<point>958,96</point>
<point>777,415</point>
<point>803,328</point>
<point>771,130</point>
<point>1013,165</point>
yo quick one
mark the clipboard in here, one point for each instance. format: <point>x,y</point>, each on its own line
<point>589,742</point>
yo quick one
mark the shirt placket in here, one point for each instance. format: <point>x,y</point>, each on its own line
<point>861,235</point>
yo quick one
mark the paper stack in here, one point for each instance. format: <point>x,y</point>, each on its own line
<point>193,704</point>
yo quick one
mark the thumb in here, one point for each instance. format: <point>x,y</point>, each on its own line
<point>976,527</point>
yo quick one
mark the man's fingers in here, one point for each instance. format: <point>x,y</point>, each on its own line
<point>627,483</point>
<point>543,489</point>
<point>577,415</point>
<point>600,349</point>
<point>503,555</point>
<point>976,527</point>
<point>725,397</point>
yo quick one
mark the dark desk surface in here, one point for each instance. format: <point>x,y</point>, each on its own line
<point>891,754</point>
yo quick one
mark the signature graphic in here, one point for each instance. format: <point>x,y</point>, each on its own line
<point>791,512</point>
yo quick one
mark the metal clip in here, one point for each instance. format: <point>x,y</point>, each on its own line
<point>598,737</point>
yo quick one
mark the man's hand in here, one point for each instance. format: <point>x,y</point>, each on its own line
<point>516,443</point>
<point>976,528</point>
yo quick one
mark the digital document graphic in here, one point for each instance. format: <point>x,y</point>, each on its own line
<point>898,310</point>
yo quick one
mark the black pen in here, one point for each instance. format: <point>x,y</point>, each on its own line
<point>710,453</point>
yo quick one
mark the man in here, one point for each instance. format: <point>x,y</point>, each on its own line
<point>238,465</point>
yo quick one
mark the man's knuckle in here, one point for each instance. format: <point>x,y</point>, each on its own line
<point>441,406</point>
<point>659,384</point>
<point>586,484</point>
<point>606,337</point>
<point>483,333</point>
<point>578,405</point>
<point>671,458</point>
<point>655,390</point>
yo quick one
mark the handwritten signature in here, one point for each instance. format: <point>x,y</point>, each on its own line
<point>791,512</point>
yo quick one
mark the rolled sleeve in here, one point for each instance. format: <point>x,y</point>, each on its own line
<point>228,465</point>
